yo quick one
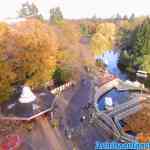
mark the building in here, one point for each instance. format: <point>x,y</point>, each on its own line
<point>28,105</point>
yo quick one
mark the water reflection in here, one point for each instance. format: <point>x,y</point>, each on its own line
<point>110,59</point>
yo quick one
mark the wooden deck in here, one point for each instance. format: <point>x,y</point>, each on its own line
<point>13,110</point>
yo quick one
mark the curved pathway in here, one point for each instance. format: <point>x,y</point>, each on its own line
<point>111,118</point>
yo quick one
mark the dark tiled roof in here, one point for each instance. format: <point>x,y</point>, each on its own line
<point>41,105</point>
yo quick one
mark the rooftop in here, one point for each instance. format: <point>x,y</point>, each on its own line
<point>14,110</point>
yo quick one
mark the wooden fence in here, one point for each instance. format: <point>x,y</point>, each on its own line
<point>62,87</point>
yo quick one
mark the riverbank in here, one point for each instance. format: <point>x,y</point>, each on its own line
<point>101,89</point>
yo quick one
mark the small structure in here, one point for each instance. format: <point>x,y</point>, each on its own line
<point>108,103</point>
<point>142,74</point>
<point>28,105</point>
<point>27,95</point>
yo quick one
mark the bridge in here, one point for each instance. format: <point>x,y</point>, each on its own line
<point>109,120</point>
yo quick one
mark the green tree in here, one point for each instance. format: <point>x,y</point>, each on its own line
<point>61,75</point>
<point>140,50</point>
<point>125,17</point>
<point>132,17</point>
<point>28,10</point>
<point>84,29</point>
<point>56,15</point>
<point>118,17</point>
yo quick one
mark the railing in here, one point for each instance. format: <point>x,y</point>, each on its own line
<point>124,106</point>
<point>110,119</point>
<point>62,87</point>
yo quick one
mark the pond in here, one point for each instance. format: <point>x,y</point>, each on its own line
<point>117,97</point>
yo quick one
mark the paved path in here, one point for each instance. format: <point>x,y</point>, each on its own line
<point>111,118</point>
<point>55,141</point>
<point>79,100</point>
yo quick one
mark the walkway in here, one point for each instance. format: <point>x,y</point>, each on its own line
<point>110,119</point>
<point>54,140</point>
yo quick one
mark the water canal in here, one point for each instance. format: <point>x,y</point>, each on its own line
<point>110,59</point>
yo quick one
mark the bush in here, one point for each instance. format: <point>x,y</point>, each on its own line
<point>61,75</point>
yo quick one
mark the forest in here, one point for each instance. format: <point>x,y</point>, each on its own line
<point>40,53</point>
<point>135,54</point>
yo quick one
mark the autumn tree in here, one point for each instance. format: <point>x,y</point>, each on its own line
<point>104,38</point>
<point>69,56</point>
<point>34,49</point>
<point>69,33</point>
<point>7,76</point>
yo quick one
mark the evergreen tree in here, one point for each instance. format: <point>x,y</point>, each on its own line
<point>138,57</point>
<point>118,16</point>
<point>125,17</point>
<point>56,15</point>
<point>132,17</point>
<point>28,10</point>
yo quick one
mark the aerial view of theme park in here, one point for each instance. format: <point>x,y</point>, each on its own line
<point>73,73</point>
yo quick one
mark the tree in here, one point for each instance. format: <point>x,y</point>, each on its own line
<point>61,75</point>
<point>70,32</point>
<point>94,18</point>
<point>56,15</point>
<point>125,17</point>
<point>7,76</point>
<point>28,10</point>
<point>132,17</point>
<point>118,17</point>
<point>84,29</point>
<point>103,39</point>
<point>140,51</point>
<point>34,52</point>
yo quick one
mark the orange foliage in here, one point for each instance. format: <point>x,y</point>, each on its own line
<point>143,138</point>
<point>71,32</point>
<point>7,76</point>
<point>34,47</point>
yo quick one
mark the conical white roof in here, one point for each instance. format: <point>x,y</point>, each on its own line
<point>108,101</point>
<point>27,96</point>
